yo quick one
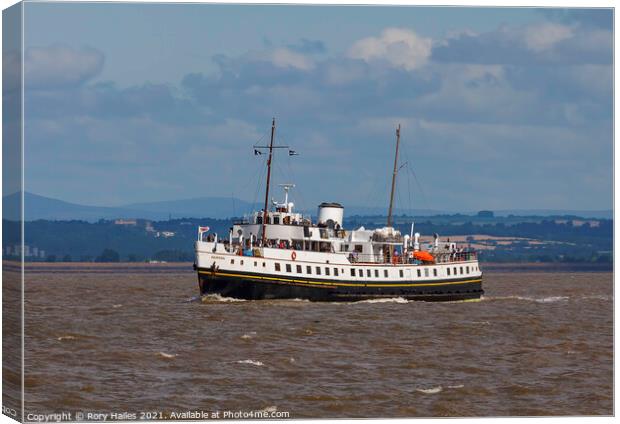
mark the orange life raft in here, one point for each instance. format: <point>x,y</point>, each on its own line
<point>423,256</point>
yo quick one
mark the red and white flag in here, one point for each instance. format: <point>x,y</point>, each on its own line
<point>203,229</point>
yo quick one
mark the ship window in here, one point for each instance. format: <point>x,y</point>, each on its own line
<point>448,269</point>
<point>299,269</point>
<point>308,270</point>
<point>352,272</point>
<point>359,248</point>
<point>276,219</point>
<point>467,270</point>
<point>400,272</point>
<point>264,264</point>
<point>241,261</point>
<point>367,273</point>
<point>288,267</point>
<point>318,270</point>
<point>426,272</point>
<point>336,272</point>
<point>255,263</point>
<point>461,270</point>
<point>232,261</point>
<point>454,270</point>
<point>435,272</point>
<point>419,272</point>
<point>361,272</point>
<point>385,273</point>
<point>326,271</point>
<point>376,273</point>
<point>277,266</point>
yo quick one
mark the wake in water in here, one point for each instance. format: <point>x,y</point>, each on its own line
<point>249,335</point>
<point>251,362</point>
<point>217,298</point>
<point>167,355</point>
<point>193,299</point>
<point>550,299</point>
<point>438,389</point>
<point>430,391</point>
<point>383,300</point>
<point>597,297</point>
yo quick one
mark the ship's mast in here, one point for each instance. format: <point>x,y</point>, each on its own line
<point>389,217</point>
<point>273,132</point>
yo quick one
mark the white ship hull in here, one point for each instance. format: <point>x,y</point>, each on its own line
<point>330,276</point>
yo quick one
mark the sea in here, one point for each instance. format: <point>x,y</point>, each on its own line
<point>139,343</point>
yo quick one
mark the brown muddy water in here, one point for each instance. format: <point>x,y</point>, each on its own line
<point>537,344</point>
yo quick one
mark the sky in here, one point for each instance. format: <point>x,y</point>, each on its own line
<point>500,108</point>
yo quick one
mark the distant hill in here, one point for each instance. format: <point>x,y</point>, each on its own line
<point>41,207</point>
<point>199,207</point>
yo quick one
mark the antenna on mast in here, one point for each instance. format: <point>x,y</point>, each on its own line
<point>389,217</point>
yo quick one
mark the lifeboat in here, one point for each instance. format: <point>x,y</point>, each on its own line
<point>423,256</point>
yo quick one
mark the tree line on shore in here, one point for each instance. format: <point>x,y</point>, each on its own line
<point>563,240</point>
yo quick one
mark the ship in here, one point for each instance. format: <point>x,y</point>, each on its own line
<point>278,253</point>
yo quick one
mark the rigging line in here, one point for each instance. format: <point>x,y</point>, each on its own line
<point>261,171</point>
<point>259,185</point>
<point>409,192</point>
<point>293,175</point>
<point>424,199</point>
<point>407,164</point>
<point>252,179</point>
<point>394,212</point>
<point>262,137</point>
<point>298,191</point>
<point>242,187</point>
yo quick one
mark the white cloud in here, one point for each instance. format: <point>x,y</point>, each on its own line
<point>284,58</point>
<point>399,47</point>
<point>60,65</point>
<point>542,37</point>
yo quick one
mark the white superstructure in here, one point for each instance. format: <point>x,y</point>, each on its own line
<point>327,250</point>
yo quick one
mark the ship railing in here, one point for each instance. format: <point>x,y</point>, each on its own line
<point>358,258</point>
<point>448,257</point>
<point>408,259</point>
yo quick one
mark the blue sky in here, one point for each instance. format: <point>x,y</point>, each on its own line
<point>501,108</point>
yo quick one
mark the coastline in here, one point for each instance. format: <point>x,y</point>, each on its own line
<point>182,267</point>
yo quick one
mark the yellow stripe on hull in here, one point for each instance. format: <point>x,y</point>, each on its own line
<point>336,284</point>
